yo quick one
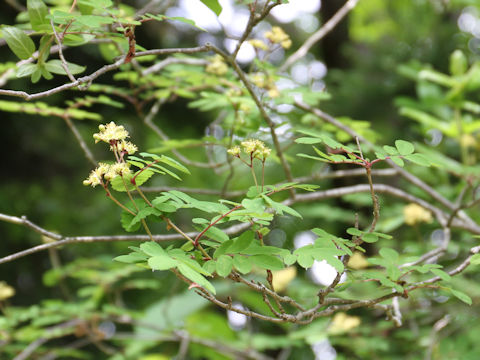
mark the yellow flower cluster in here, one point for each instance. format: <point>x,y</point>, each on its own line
<point>252,147</point>
<point>217,66</point>
<point>234,151</point>
<point>278,36</point>
<point>110,132</point>
<point>114,135</point>
<point>256,147</point>
<point>126,146</point>
<point>414,214</point>
<point>265,82</point>
<point>259,44</point>
<point>342,323</point>
<point>6,291</point>
<point>107,172</point>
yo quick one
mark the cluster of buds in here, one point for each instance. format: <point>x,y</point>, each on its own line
<point>278,36</point>
<point>217,66</point>
<point>415,214</point>
<point>110,132</point>
<point>256,149</point>
<point>115,136</point>
<point>106,172</point>
<point>265,82</point>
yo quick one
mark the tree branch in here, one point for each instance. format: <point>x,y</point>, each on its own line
<point>88,79</point>
<point>319,34</point>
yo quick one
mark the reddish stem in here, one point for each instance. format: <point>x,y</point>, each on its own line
<point>142,169</point>
<point>197,239</point>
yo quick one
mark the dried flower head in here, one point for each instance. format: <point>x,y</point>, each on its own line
<point>414,214</point>
<point>110,132</point>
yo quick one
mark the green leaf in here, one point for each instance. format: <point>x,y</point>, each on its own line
<point>305,260</point>
<point>21,45</point>
<point>216,234</point>
<point>242,242</point>
<point>55,66</point>
<point>44,48</point>
<point>289,259</point>
<point>242,263</point>
<point>308,140</point>
<point>126,217</point>
<point>419,159</point>
<point>161,262</point>
<point>224,265</point>
<point>196,277</point>
<point>475,259</point>
<point>462,296</point>
<point>281,208</point>
<point>397,160</point>
<point>458,63</point>
<point>441,274</point>
<point>98,4</point>
<point>213,5</point>
<point>153,249</point>
<point>222,249</point>
<point>118,185</point>
<point>173,163</point>
<point>26,70</point>
<point>254,206</point>
<point>143,213</point>
<point>37,12</point>
<point>354,232</point>
<point>370,238</point>
<point>131,258</point>
<point>389,254</point>
<point>94,21</point>
<point>268,262</point>
<point>404,147</point>
<point>390,150</point>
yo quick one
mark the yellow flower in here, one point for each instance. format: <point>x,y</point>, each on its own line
<point>217,66</point>
<point>357,261</point>
<point>281,278</point>
<point>342,323</point>
<point>414,214</point>
<point>468,141</point>
<point>234,151</point>
<point>278,36</point>
<point>6,291</point>
<point>117,169</point>
<point>259,44</point>
<point>273,92</point>
<point>96,176</point>
<point>249,146</point>
<point>110,132</point>
<point>126,146</point>
<point>258,79</point>
<point>256,148</point>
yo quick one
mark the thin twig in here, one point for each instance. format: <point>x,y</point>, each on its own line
<point>104,69</point>
<point>60,52</point>
<point>81,142</point>
<point>319,34</point>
